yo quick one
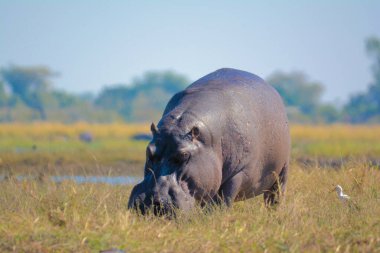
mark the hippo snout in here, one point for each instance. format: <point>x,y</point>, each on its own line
<point>163,197</point>
<point>140,198</point>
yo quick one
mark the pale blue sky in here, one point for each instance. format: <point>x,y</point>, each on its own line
<point>95,43</point>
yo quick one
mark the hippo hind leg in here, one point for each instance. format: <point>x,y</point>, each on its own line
<point>276,193</point>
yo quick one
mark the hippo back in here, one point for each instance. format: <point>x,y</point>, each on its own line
<point>246,118</point>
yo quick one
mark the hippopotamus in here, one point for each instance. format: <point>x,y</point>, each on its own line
<point>224,138</point>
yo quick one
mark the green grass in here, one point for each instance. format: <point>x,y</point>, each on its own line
<point>58,143</point>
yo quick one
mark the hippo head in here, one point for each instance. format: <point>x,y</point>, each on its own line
<point>182,168</point>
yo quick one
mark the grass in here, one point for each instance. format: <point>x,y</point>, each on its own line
<point>56,148</point>
<point>41,216</point>
<point>46,217</point>
<point>336,141</point>
<point>26,148</point>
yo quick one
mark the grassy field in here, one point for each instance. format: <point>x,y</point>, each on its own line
<point>42,216</point>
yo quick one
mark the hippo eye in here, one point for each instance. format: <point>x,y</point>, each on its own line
<point>180,158</point>
<point>150,150</point>
<point>151,156</point>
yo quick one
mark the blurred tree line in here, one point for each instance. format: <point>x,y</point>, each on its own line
<point>27,94</point>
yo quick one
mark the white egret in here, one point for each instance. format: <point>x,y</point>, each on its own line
<point>343,197</point>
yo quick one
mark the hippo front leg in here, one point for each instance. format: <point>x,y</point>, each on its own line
<point>229,190</point>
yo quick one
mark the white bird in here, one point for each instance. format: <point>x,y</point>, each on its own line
<point>343,197</point>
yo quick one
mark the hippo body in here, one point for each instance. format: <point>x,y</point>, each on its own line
<point>223,138</point>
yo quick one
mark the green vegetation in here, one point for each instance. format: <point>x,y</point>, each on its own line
<point>28,148</point>
<point>53,147</point>
<point>365,107</point>
<point>27,94</point>
<point>38,215</point>
<point>145,99</point>
<point>302,98</point>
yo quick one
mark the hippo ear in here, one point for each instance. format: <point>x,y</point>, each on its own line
<point>154,129</point>
<point>195,132</point>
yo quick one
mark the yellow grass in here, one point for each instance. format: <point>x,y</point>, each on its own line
<point>42,216</point>
<point>45,217</point>
<point>49,144</point>
<point>46,129</point>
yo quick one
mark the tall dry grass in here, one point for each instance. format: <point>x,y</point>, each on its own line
<point>67,217</point>
<point>42,216</point>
